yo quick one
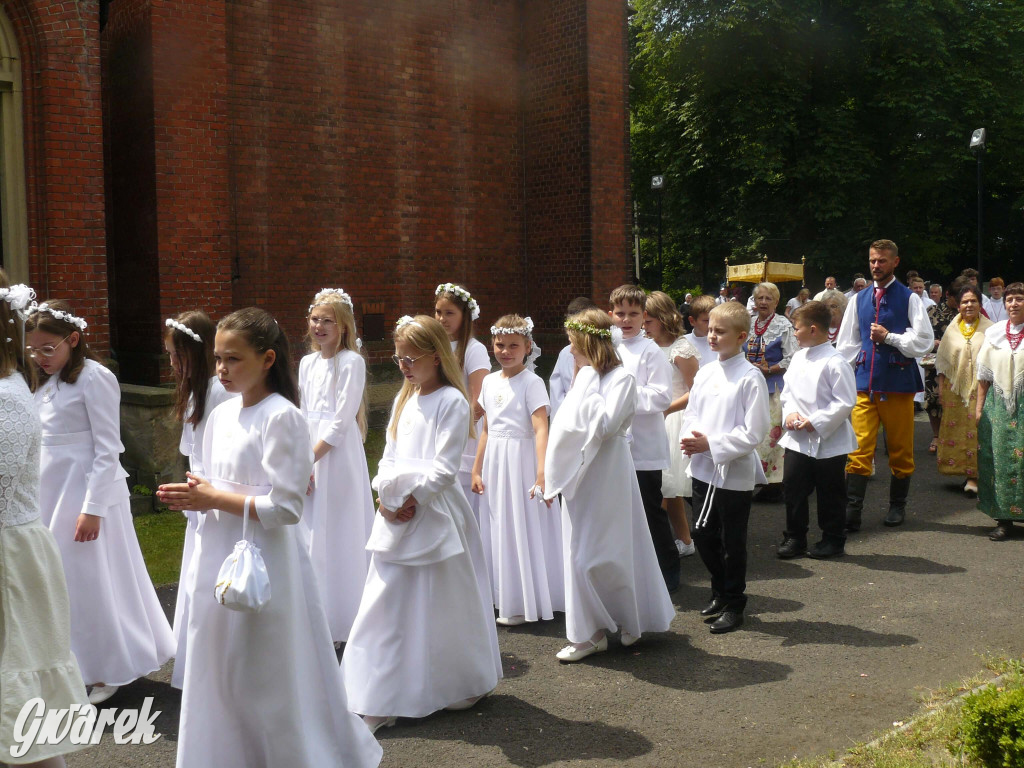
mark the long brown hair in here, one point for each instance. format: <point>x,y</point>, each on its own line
<point>262,332</point>
<point>466,328</point>
<point>428,335</point>
<point>196,359</point>
<point>598,349</point>
<point>47,323</point>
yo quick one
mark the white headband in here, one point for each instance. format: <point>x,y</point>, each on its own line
<point>172,323</point>
<point>405,320</point>
<point>522,330</point>
<point>462,293</point>
<point>326,293</point>
<point>66,317</point>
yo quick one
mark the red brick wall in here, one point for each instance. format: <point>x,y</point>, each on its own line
<point>60,52</point>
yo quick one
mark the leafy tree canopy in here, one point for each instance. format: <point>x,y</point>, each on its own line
<point>812,127</point>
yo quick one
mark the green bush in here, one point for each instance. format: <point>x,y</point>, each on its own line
<point>993,727</point>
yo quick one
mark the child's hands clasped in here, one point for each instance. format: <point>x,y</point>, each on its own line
<point>697,442</point>
<point>796,421</point>
<point>401,515</point>
<point>196,494</point>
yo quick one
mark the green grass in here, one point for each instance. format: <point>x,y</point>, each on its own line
<point>933,738</point>
<point>162,534</point>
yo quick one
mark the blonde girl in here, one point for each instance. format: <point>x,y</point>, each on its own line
<point>338,512</point>
<point>525,553</point>
<point>36,646</point>
<point>424,638</point>
<point>456,310</point>
<point>118,629</point>
<point>188,341</point>
<point>612,578</point>
<point>262,688</point>
<point>664,324</point>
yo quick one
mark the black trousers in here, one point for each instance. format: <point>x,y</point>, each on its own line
<point>802,476</point>
<point>722,542</point>
<point>649,481</point>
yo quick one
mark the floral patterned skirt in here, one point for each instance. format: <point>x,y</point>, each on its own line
<point>769,450</point>
<point>958,434</point>
<point>1001,460</point>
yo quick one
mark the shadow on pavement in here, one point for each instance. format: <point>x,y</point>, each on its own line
<point>166,701</point>
<point>824,632</point>
<point>902,564</point>
<point>538,738</point>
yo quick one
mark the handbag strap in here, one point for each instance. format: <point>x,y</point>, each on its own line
<point>245,517</point>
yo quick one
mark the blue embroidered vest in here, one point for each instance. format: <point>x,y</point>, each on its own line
<point>881,367</point>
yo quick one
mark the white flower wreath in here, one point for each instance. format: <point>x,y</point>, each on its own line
<point>19,296</point>
<point>66,317</point>
<point>327,292</point>
<point>405,320</point>
<point>462,293</point>
<point>172,323</point>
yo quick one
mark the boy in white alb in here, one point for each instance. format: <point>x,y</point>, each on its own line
<point>726,419</point>
<point>644,360</point>
<point>700,309</point>
<point>817,400</point>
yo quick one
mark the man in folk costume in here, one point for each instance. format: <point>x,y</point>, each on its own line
<point>885,327</point>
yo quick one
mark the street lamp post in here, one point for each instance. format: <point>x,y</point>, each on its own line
<point>658,185</point>
<point>978,148</point>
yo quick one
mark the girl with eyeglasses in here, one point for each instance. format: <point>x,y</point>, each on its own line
<point>424,638</point>
<point>118,629</point>
<point>338,510</point>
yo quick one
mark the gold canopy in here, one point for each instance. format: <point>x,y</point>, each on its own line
<point>765,271</point>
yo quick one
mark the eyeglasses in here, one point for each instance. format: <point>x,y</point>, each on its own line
<point>48,351</point>
<point>321,321</point>
<point>406,362</point>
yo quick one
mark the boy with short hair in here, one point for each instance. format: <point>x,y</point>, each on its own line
<point>819,395</point>
<point>726,419</point>
<point>645,361</point>
<point>700,308</point>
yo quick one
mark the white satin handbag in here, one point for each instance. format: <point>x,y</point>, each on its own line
<point>243,583</point>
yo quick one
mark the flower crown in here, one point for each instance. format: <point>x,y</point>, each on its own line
<point>613,334</point>
<point>172,323</point>
<point>66,317</point>
<point>405,320</point>
<point>19,296</point>
<point>326,293</point>
<point>462,293</point>
<point>522,330</point>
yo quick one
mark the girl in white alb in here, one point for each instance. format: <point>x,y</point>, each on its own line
<point>118,630</point>
<point>612,578</point>
<point>188,342</point>
<point>261,688</point>
<point>456,310</point>
<point>424,638</point>
<point>525,555</point>
<point>338,513</point>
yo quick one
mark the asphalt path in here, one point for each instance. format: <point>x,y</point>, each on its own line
<point>832,653</point>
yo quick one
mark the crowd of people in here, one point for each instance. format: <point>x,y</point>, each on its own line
<point>499,500</point>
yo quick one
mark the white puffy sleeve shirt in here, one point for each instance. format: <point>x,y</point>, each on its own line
<point>647,364</point>
<point>820,385</point>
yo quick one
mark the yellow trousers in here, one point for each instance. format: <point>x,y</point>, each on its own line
<point>896,413</point>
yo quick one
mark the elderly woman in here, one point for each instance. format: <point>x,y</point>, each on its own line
<point>770,347</point>
<point>941,316</point>
<point>1000,415</point>
<point>956,370</point>
<point>836,303</point>
<point>794,304</point>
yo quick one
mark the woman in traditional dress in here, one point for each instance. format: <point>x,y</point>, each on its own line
<point>1000,414</point>
<point>769,347</point>
<point>836,303</point>
<point>941,316</point>
<point>956,368</point>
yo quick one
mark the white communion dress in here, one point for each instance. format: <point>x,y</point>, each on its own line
<point>612,578</point>
<point>191,445</point>
<point>675,480</point>
<point>338,514</point>
<point>525,553</point>
<point>424,637</point>
<point>35,651</point>
<point>477,359</point>
<point>263,690</point>
<point>118,630</point>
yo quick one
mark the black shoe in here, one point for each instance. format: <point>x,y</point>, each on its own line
<point>825,549</point>
<point>1002,532</point>
<point>728,622</point>
<point>715,607</point>
<point>791,547</point>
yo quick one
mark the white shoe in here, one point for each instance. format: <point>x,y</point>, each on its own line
<point>578,652</point>
<point>101,693</point>
<point>466,703</point>
<point>685,550</point>
<point>626,639</point>
<point>511,621</point>
<point>376,723</point>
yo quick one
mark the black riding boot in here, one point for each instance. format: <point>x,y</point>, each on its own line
<point>898,488</point>
<point>856,485</point>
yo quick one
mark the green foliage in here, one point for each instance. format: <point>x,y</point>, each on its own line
<point>161,538</point>
<point>142,490</point>
<point>993,726</point>
<point>812,127</point>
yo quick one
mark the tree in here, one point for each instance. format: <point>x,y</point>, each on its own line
<point>812,127</point>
